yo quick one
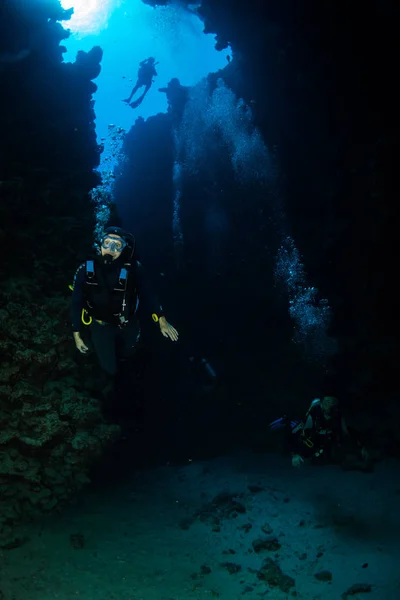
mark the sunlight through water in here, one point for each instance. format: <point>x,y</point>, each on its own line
<point>129,31</point>
<point>90,16</point>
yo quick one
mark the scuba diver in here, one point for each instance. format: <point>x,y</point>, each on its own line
<point>145,76</point>
<point>107,293</point>
<point>322,434</point>
<point>177,96</point>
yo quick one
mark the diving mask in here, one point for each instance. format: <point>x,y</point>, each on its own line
<point>113,244</point>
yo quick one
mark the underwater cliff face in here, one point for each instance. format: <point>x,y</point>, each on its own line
<point>51,427</point>
<point>323,116</point>
<point>311,77</point>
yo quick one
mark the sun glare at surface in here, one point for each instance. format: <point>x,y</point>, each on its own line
<point>90,16</point>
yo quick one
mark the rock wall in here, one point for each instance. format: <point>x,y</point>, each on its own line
<point>318,92</point>
<point>51,426</point>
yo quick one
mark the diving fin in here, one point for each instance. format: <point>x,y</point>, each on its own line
<point>281,423</point>
<point>278,424</point>
<point>136,103</point>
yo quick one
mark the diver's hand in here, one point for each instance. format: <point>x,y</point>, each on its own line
<point>167,330</point>
<point>79,343</point>
<point>297,460</point>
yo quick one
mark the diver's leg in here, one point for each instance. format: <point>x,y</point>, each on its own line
<point>126,379</point>
<point>103,340</point>
<point>146,89</point>
<point>128,339</point>
<point>133,92</point>
<point>139,101</point>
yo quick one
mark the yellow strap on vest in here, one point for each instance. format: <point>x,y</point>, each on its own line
<point>84,313</point>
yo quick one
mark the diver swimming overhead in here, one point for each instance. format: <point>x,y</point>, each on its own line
<point>145,76</point>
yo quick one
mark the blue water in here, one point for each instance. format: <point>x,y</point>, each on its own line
<point>128,32</point>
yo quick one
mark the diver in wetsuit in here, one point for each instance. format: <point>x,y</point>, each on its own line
<point>177,96</point>
<point>322,434</point>
<point>107,294</point>
<point>145,76</point>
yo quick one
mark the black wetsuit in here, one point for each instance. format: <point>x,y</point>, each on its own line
<point>101,297</point>
<point>146,73</point>
<point>320,437</point>
<point>145,78</point>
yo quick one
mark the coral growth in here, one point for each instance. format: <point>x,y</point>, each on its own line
<point>51,426</point>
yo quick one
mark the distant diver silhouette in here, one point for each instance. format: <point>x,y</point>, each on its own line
<point>177,96</point>
<point>145,76</point>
